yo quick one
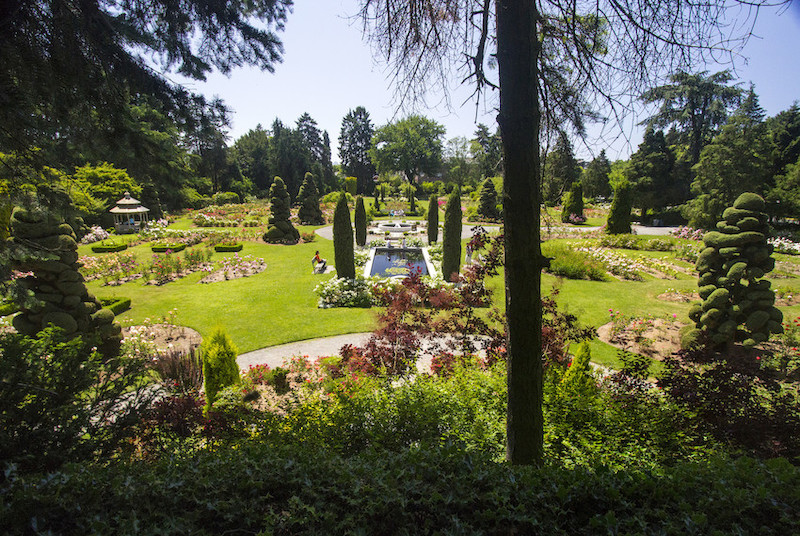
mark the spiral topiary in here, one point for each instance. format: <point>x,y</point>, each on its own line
<point>61,295</point>
<point>309,212</point>
<point>738,304</point>
<point>280,229</point>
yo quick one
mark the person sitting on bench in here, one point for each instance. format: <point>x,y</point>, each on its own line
<point>319,261</point>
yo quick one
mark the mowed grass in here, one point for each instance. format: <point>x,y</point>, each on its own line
<point>274,307</point>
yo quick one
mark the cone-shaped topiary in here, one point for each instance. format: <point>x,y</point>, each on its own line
<point>573,204</point>
<point>488,203</point>
<point>219,365</point>
<point>377,199</point>
<point>619,217</point>
<point>280,229</point>
<point>412,201</point>
<point>433,219</point>
<point>309,212</point>
<point>738,305</point>
<point>451,238</point>
<point>343,240</point>
<point>360,222</point>
<point>61,295</point>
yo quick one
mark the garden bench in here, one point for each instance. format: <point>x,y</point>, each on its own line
<point>317,267</point>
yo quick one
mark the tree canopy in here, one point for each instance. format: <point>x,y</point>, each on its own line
<point>412,146</point>
<point>355,140</point>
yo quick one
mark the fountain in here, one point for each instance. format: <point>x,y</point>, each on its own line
<point>396,262</point>
<point>395,227</point>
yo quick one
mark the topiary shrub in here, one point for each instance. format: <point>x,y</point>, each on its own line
<point>488,203</point>
<point>619,218</point>
<point>572,211</point>
<point>163,248</point>
<point>116,305</point>
<point>308,196</point>
<point>433,219</point>
<point>109,248</point>
<point>451,238</point>
<point>229,247</point>
<point>280,229</point>
<point>360,222</point>
<point>343,240</point>
<point>61,295</point>
<point>738,304</point>
<point>219,365</point>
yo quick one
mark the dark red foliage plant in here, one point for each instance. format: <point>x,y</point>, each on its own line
<point>455,322</point>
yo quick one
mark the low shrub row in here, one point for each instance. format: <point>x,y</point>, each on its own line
<point>163,248</point>
<point>228,247</point>
<point>273,489</point>
<point>109,248</point>
<point>116,305</point>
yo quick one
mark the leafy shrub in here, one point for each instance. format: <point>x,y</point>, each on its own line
<point>572,211</point>
<point>116,305</point>
<point>566,262</point>
<point>228,247</point>
<point>95,234</point>
<point>55,398</point>
<point>219,365</point>
<point>109,247</point>
<point>636,242</point>
<point>619,217</point>
<point>344,292</point>
<point>225,198</point>
<point>163,248</point>
<point>308,237</point>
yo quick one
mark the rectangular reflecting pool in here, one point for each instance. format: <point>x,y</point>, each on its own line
<point>393,262</point>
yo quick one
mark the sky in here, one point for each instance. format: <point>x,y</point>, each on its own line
<point>328,69</point>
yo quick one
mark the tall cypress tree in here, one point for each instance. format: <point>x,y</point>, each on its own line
<point>343,240</point>
<point>360,221</point>
<point>451,239</point>
<point>433,219</point>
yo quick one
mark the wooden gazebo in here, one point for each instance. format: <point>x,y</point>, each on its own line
<point>129,214</point>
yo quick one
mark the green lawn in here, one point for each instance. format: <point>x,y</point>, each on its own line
<point>279,305</point>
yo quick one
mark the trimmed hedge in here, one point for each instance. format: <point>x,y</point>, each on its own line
<point>163,248</point>
<point>109,248</point>
<point>274,489</point>
<point>116,305</point>
<point>226,248</point>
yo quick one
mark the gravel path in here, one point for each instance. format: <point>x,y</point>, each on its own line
<point>313,348</point>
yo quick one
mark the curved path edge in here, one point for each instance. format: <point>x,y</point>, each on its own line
<point>274,356</point>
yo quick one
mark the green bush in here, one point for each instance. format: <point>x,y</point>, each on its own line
<point>116,305</point>
<point>619,217</point>
<point>108,247</point>
<point>219,365</point>
<point>308,197</point>
<point>226,248</point>
<point>487,207</point>
<point>451,237</point>
<point>572,211</point>
<point>225,198</point>
<point>637,242</point>
<point>163,248</point>
<point>566,262</point>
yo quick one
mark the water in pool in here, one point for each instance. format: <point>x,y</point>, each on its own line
<point>389,262</point>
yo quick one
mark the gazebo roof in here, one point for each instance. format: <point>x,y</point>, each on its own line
<point>129,205</point>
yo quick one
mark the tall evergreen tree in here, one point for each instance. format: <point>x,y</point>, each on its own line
<point>451,237</point>
<point>251,153</point>
<point>650,173</point>
<point>619,217</point>
<point>697,103</point>
<point>289,157</point>
<point>595,177</point>
<point>433,219</point>
<point>360,222</point>
<point>355,140</point>
<point>488,202</point>
<point>488,151</point>
<point>561,170</point>
<point>737,161</point>
<point>343,252</point>
<point>328,179</point>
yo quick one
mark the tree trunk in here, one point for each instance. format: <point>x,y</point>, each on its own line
<point>518,55</point>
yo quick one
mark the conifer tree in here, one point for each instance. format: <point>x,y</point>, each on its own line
<point>280,229</point>
<point>343,240</point>
<point>433,219</point>
<point>488,202</point>
<point>360,222</point>
<point>309,213</point>
<point>451,239</point>
<point>219,365</point>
